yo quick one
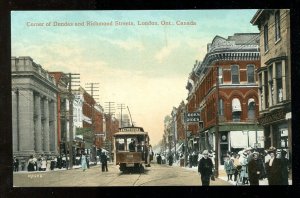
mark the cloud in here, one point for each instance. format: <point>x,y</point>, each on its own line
<point>129,45</point>
<point>165,52</point>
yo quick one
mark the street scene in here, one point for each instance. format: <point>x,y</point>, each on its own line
<point>151,98</point>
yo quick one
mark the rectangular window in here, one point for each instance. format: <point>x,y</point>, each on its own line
<point>235,78</point>
<point>220,75</point>
<point>221,107</point>
<point>271,83</point>
<point>279,81</point>
<point>266,89</point>
<point>266,45</point>
<point>250,73</point>
<point>277,26</point>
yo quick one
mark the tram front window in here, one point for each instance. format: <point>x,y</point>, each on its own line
<point>120,144</point>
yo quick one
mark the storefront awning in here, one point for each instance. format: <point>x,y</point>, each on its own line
<point>236,105</point>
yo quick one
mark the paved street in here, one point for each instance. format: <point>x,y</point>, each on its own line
<point>156,175</point>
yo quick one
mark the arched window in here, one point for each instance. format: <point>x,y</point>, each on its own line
<point>236,110</point>
<point>251,109</point>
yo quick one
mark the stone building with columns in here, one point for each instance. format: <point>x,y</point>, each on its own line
<point>34,109</point>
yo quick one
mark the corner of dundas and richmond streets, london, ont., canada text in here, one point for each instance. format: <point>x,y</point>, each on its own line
<point>111,23</point>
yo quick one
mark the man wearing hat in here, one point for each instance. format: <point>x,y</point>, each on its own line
<point>255,168</point>
<point>273,167</point>
<point>205,168</point>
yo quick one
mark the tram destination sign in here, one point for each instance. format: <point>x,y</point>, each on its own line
<point>192,117</point>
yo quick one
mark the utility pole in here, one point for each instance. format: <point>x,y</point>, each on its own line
<point>121,106</point>
<point>217,125</point>
<point>185,133</point>
<point>110,108</point>
<point>92,88</point>
<point>72,80</point>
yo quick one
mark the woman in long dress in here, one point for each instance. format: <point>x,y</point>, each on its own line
<point>83,162</point>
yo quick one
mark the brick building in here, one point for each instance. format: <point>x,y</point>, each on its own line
<point>228,106</point>
<point>62,80</point>
<point>92,119</point>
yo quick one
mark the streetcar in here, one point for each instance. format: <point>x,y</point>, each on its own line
<point>132,149</point>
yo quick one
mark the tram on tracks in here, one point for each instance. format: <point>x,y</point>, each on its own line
<point>132,149</point>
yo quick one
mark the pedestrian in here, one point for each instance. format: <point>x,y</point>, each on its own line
<point>284,168</point>
<point>237,165</point>
<point>30,164</point>
<point>83,161</point>
<point>273,167</point>
<point>16,164</point>
<point>39,163</point>
<point>255,169</point>
<point>44,164</point>
<point>158,159</point>
<point>170,159</point>
<point>103,158</point>
<point>228,166</point>
<point>244,170</point>
<point>205,168</point>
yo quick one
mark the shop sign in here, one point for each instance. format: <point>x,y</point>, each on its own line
<point>192,117</point>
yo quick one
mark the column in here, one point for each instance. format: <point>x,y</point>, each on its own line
<point>38,123</point>
<point>46,126</point>
<point>52,125</point>
<point>15,123</point>
<point>26,124</point>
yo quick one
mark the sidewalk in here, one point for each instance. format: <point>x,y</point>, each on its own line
<point>223,175</point>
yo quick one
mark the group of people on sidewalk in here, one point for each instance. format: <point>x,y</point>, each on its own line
<point>42,163</point>
<point>254,166</point>
<point>251,168</point>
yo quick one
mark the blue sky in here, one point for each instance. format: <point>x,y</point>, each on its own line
<point>144,67</point>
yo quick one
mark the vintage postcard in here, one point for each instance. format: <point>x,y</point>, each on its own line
<point>151,98</point>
